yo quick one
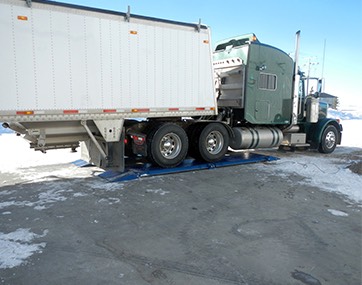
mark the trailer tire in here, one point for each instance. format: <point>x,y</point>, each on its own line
<point>167,145</point>
<point>212,143</point>
<point>329,140</point>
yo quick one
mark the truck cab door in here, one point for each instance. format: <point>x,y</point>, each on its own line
<point>268,90</point>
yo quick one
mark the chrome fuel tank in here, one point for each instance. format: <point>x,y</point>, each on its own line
<point>257,137</point>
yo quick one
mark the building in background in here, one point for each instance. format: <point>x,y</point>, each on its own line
<point>330,99</point>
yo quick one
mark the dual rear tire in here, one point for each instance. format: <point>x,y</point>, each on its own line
<point>168,144</point>
<point>210,142</point>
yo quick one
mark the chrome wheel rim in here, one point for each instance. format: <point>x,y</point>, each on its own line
<point>330,139</point>
<point>214,142</point>
<point>170,145</point>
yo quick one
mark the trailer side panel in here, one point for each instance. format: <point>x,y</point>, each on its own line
<point>58,59</point>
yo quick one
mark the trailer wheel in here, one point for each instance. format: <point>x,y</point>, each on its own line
<point>328,140</point>
<point>167,145</point>
<point>213,142</point>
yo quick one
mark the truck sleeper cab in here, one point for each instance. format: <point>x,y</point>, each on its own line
<point>255,87</point>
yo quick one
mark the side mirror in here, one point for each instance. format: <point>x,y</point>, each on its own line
<point>320,85</point>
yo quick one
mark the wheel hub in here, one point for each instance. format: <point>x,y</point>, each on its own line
<point>170,145</point>
<point>330,139</point>
<point>214,142</point>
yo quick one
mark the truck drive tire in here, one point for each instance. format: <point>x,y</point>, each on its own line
<point>328,140</point>
<point>212,143</point>
<point>167,145</point>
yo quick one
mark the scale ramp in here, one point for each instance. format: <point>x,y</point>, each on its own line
<point>145,170</point>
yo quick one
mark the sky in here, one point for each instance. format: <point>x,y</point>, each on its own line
<point>331,25</point>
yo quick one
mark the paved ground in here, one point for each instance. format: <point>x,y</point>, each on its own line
<point>236,225</point>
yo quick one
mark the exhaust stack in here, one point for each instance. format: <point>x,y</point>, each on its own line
<point>294,120</point>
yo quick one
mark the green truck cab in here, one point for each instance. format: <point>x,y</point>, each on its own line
<point>263,96</point>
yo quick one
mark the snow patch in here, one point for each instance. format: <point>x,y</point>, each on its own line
<point>15,203</point>
<point>45,198</point>
<point>7,192</point>
<point>157,191</point>
<point>351,114</point>
<point>18,155</point>
<point>338,213</point>
<point>104,186</point>
<point>324,173</point>
<point>80,194</point>
<point>109,200</point>
<point>16,247</point>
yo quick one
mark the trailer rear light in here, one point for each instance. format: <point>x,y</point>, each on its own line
<point>200,109</point>
<point>109,111</point>
<point>25,112</point>
<point>133,32</point>
<point>138,140</point>
<point>22,18</point>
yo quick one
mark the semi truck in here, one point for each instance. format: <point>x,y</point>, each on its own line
<point>129,86</point>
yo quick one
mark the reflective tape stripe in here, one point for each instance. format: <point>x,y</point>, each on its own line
<point>70,111</point>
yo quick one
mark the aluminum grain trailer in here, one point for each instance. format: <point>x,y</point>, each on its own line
<point>70,73</point>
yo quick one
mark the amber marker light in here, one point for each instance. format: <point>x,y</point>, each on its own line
<point>140,110</point>
<point>25,112</point>
<point>22,18</point>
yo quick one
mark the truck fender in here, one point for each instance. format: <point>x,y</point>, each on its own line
<point>315,131</point>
